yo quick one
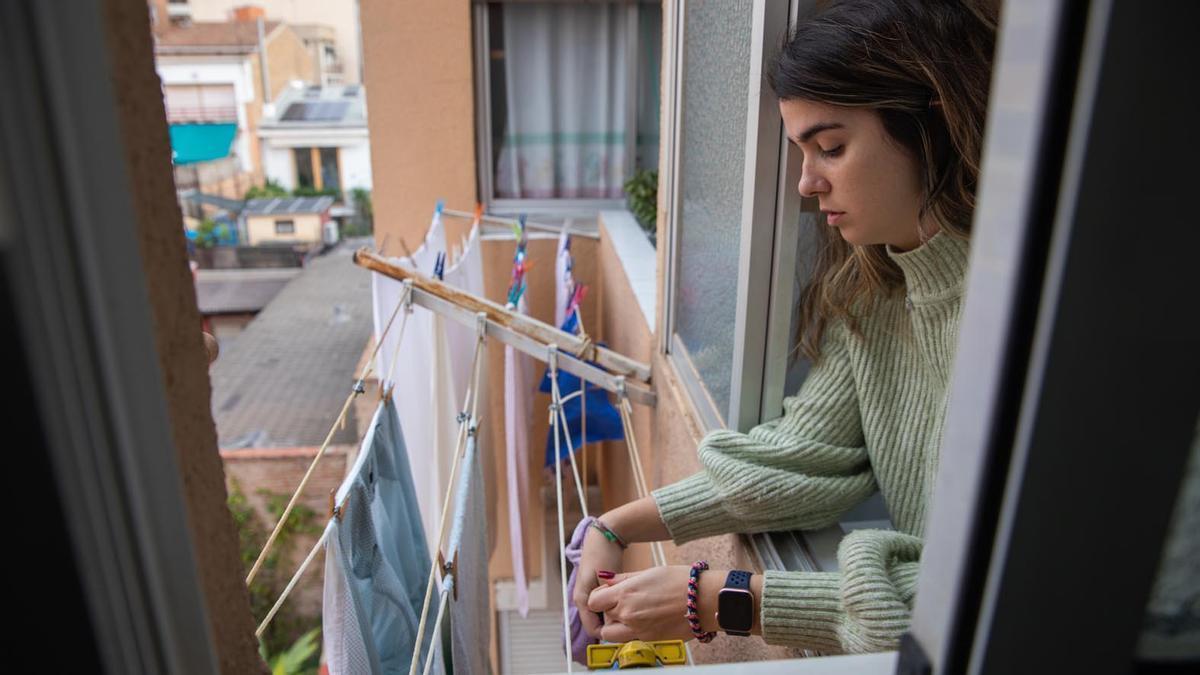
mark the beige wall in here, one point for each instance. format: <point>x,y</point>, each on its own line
<point>183,359</point>
<point>288,59</point>
<point>418,75</point>
<point>261,229</point>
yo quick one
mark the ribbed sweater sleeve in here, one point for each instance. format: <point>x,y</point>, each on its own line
<point>800,471</point>
<point>864,607</point>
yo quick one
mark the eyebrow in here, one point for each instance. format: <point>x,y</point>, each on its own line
<point>816,129</point>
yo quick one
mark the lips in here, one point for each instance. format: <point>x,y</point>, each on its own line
<point>832,217</point>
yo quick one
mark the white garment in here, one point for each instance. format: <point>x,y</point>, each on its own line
<point>518,390</point>
<point>564,278</point>
<point>432,368</point>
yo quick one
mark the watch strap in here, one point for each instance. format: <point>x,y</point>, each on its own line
<point>739,580</point>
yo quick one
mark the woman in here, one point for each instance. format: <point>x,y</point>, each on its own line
<point>886,101</point>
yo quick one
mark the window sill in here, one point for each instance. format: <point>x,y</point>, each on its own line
<point>638,258</point>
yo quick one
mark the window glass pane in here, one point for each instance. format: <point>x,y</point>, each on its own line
<point>716,73</point>
<point>559,86</point>
<point>649,51</point>
<point>304,171</point>
<point>330,180</point>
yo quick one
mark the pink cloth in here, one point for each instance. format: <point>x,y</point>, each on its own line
<point>517,394</point>
<point>579,637</point>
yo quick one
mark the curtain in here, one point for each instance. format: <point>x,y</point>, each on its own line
<point>565,81</point>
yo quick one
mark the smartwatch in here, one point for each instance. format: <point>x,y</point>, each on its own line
<point>735,604</point>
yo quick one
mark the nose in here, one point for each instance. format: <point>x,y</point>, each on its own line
<point>812,183</point>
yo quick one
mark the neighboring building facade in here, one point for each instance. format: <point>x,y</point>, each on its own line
<point>328,29</point>
<point>213,83</point>
<point>289,220</point>
<point>317,139</point>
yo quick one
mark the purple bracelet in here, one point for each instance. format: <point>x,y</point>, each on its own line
<point>693,591</point>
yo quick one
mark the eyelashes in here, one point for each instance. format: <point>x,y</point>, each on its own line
<point>832,152</point>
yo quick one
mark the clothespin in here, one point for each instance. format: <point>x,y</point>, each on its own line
<point>448,569</point>
<point>478,214</point>
<point>441,206</point>
<point>439,266</point>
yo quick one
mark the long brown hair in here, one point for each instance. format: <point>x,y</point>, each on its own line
<point>925,68</point>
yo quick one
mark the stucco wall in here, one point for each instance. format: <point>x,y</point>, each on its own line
<point>417,58</point>
<point>261,229</point>
<point>182,356</point>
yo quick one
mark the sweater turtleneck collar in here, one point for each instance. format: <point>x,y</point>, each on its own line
<point>934,270</point>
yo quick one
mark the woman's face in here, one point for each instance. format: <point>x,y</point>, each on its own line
<point>868,187</point>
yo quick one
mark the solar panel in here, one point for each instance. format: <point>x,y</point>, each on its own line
<point>324,111</point>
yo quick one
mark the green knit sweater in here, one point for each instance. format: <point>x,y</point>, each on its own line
<point>869,415</point>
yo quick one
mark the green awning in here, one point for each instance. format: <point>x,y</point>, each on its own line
<point>192,143</point>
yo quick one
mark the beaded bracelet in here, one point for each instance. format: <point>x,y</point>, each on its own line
<point>693,618</point>
<point>609,534</point>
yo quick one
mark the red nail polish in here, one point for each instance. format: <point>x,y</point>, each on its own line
<point>605,574</point>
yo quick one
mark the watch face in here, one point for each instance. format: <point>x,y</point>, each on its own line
<point>735,609</point>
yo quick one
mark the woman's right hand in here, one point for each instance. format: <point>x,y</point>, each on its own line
<point>598,554</point>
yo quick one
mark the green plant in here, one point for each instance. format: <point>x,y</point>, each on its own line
<point>301,658</point>
<point>268,584</point>
<point>364,210</point>
<point>269,190</point>
<point>206,233</point>
<point>641,192</point>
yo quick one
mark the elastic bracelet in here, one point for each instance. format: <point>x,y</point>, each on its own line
<point>692,615</point>
<point>609,534</point>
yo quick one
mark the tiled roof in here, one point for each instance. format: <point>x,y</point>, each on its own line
<point>285,205</point>
<point>241,36</point>
<point>282,382</point>
<point>240,290</point>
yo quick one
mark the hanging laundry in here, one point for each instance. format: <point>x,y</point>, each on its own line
<point>518,390</point>
<point>564,277</point>
<point>432,362</point>
<point>580,638</point>
<point>376,559</point>
<point>603,420</point>
<point>470,613</point>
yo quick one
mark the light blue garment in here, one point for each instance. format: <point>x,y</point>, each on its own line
<point>470,614</point>
<point>381,557</point>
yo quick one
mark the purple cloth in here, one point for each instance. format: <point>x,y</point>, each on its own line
<point>579,637</point>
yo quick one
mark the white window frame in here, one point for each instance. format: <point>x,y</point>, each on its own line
<point>585,208</point>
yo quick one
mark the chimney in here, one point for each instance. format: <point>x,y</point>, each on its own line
<point>248,13</point>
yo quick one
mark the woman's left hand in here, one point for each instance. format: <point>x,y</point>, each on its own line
<point>646,605</point>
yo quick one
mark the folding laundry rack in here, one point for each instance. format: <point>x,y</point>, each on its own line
<point>524,333</point>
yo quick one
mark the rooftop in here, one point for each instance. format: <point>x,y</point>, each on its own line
<point>283,381</point>
<point>227,291</point>
<point>287,205</point>
<point>303,107</point>
<point>227,37</point>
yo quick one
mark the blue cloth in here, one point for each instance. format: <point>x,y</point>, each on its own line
<point>192,143</point>
<point>603,420</point>
<point>381,552</point>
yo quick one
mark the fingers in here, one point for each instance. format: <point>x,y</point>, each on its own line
<point>590,622</point>
<point>603,599</point>
<point>617,632</point>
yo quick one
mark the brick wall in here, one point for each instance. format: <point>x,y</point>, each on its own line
<point>279,471</point>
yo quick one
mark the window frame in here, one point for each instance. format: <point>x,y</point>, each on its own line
<point>484,152</point>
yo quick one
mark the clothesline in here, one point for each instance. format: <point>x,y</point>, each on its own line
<point>509,222</point>
<point>524,333</point>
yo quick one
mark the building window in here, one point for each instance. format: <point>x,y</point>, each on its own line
<point>285,227</point>
<point>318,170</point>
<point>568,97</point>
<point>200,103</point>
